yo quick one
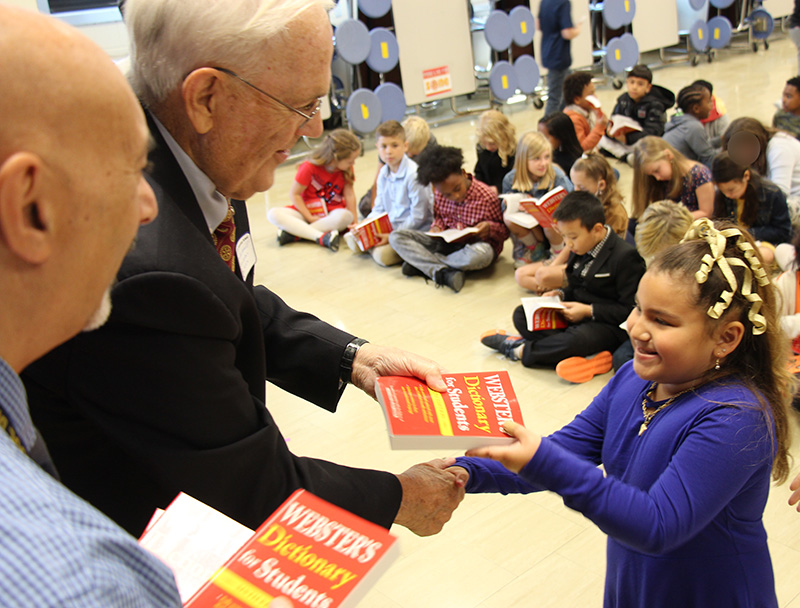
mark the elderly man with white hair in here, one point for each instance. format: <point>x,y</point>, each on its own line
<point>169,396</point>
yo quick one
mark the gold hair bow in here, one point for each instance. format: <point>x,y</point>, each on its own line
<point>717,241</point>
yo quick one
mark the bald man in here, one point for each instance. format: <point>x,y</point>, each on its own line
<point>169,396</point>
<point>73,143</point>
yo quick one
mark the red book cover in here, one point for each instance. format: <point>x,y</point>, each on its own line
<point>310,551</point>
<point>317,207</point>
<point>544,312</point>
<point>543,208</point>
<point>469,414</point>
<point>368,232</point>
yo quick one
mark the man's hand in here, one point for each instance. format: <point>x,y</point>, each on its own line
<point>431,492</point>
<point>794,499</point>
<point>373,361</point>
<point>515,456</point>
<point>575,312</point>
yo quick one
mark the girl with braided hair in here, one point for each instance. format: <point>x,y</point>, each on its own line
<point>689,434</point>
<point>685,131</point>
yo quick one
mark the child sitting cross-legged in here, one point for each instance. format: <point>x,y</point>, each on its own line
<point>603,272</point>
<point>689,435</point>
<point>460,201</point>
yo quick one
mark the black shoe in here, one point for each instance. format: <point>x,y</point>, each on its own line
<point>502,343</point>
<point>411,271</point>
<point>330,240</point>
<point>284,238</point>
<point>451,277</point>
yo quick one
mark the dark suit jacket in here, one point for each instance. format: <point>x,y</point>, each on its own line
<point>169,395</point>
<point>611,283</point>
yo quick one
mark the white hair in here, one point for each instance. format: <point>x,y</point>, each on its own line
<point>170,38</point>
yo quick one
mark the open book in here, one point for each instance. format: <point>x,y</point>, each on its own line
<point>367,233</point>
<point>468,415</point>
<point>451,234</point>
<point>537,211</point>
<point>543,312</point>
<point>621,125</point>
<point>309,550</point>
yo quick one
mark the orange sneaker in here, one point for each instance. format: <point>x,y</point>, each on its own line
<point>583,369</point>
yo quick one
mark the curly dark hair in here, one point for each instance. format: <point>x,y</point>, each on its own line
<point>437,163</point>
<point>574,85</point>
<point>690,96</point>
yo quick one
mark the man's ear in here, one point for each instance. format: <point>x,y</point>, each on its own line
<point>26,213</point>
<point>200,91</point>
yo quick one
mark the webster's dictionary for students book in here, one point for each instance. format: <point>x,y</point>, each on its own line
<point>469,414</point>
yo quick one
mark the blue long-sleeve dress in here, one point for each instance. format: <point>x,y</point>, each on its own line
<point>682,504</point>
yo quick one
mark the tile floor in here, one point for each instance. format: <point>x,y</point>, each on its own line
<point>497,551</point>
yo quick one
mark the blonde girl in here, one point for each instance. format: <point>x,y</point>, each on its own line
<point>660,171</point>
<point>497,145</point>
<point>590,173</point>
<point>533,174</point>
<point>323,201</point>
<point>689,434</point>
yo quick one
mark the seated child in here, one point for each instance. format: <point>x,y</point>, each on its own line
<point>590,173</point>
<point>685,131</point>
<point>753,202</point>
<point>324,203</point>
<point>644,102</point>
<point>663,223</point>
<point>535,174</point>
<point>603,272</point>
<point>398,193</point>
<point>418,136</point>
<point>788,117</point>
<point>660,171</point>
<point>497,144</point>
<point>589,121</point>
<point>460,201</point>
<point>717,120</point>
<point>689,436</point>
<point>560,132</point>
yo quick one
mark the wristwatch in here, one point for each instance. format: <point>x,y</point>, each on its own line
<point>349,355</point>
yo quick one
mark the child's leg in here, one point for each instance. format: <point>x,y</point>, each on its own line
<point>338,219</point>
<point>470,257</point>
<point>539,278</point>
<point>418,249</point>
<point>293,222</point>
<point>384,255</point>
<point>553,236</point>
<point>579,340</point>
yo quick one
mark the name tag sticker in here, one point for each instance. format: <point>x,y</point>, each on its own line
<point>245,254</point>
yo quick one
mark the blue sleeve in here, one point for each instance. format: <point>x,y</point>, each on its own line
<point>508,181</point>
<point>564,16</point>
<point>718,457</point>
<point>421,201</point>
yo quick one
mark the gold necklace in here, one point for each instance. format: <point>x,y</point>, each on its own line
<point>648,416</point>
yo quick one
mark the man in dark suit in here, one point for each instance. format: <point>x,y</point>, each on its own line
<point>603,272</point>
<point>169,396</point>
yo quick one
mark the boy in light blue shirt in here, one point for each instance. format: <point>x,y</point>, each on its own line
<point>408,203</point>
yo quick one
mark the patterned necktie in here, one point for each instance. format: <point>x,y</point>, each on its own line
<point>224,238</point>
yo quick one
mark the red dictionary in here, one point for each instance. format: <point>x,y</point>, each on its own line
<point>469,414</point>
<point>368,232</point>
<point>310,551</point>
<point>542,208</point>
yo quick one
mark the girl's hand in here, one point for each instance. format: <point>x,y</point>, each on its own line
<point>514,456</point>
<point>794,499</point>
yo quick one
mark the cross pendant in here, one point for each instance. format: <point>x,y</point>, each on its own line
<point>642,428</point>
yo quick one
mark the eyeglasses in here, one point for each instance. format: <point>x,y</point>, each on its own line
<point>313,107</point>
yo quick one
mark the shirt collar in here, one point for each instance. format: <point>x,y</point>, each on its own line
<point>573,107</point>
<point>596,249</point>
<point>402,168</point>
<point>15,406</point>
<point>212,203</point>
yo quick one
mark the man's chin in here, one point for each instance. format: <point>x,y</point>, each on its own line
<point>100,315</point>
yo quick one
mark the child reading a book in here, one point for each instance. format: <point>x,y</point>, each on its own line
<point>660,171</point>
<point>497,145</point>
<point>460,202</point>
<point>323,201</point>
<point>588,119</point>
<point>752,202</point>
<point>689,435</point>
<point>590,173</point>
<point>408,204</point>
<point>533,174</point>
<point>646,104</point>
<point>603,272</point>
<point>685,131</point>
